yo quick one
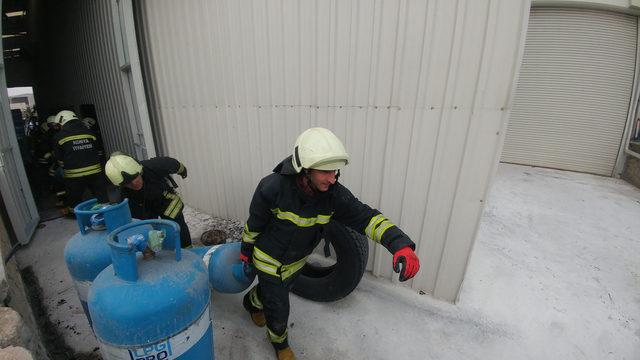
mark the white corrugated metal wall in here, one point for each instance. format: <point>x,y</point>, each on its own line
<point>574,90</point>
<point>78,63</point>
<point>418,90</point>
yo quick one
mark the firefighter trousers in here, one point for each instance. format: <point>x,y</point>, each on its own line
<point>185,234</point>
<point>272,297</point>
<point>76,186</point>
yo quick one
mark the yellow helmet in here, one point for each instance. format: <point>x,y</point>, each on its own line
<point>122,169</point>
<point>65,116</point>
<point>319,148</point>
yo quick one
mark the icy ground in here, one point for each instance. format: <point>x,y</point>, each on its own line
<point>554,274</point>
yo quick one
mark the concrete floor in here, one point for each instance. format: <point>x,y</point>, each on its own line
<point>555,274</point>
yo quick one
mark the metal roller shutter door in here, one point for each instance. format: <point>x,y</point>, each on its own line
<point>574,89</point>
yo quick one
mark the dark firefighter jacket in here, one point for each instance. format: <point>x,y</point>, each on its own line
<point>76,150</point>
<point>285,223</point>
<point>157,196</point>
<point>42,148</point>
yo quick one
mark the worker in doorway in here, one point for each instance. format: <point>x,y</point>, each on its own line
<point>40,143</point>
<point>76,151</point>
<point>286,215</point>
<point>150,189</point>
<point>44,150</point>
<point>56,176</point>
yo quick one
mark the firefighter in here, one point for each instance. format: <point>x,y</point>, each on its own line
<point>76,150</point>
<point>41,148</point>
<point>43,151</point>
<point>286,215</point>
<point>56,179</point>
<point>150,189</point>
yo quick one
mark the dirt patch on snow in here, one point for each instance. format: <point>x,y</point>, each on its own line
<point>52,338</point>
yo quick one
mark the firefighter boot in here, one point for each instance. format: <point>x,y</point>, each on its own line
<point>285,354</point>
<point>251,303</point>
<point>258,318</point>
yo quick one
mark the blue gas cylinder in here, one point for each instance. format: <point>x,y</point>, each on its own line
<point>155,308</point>
<point>226,274</point>
<point>87,252</point>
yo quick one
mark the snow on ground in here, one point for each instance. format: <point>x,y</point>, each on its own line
<point>554,274</point>
<point>557,258</point>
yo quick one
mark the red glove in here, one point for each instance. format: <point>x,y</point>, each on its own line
<point>409,261</point>
<point>247,266</point>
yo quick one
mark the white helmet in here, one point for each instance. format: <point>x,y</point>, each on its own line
<point>51,119</point>
<point>319,148</point>
<point>89,122</point>
<point>65,116</point>
<point>121,169</point>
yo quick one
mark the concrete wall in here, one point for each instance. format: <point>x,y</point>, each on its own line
<point>631,172</point>
<point>25,332</point>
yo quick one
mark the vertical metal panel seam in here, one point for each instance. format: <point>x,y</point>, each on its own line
<point>397,75</point>
<point>105,56</point>
<point>413,136</point>
<point>477,94</point>
<point>438,138</point>
<point>372,71</point>
<point>462,15</point>
<point>431,24</point>
<point>158,93</point>
<point>113,70</point>
<point>210,126</point>
<point>125,77</point>
<point>258,113</point>
<point>442,126</point>
<point>333,55</point>
<point>143,35</point>
<point>229,113</point>
<point>188,113</point>
<point>177,96</point>
<point>222,114</point>
<point>169,95</point>
<point>99,52</point>
<point>242,118</point>
<point>82,56</point>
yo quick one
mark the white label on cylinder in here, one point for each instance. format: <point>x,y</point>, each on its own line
<point>207,256</point>
<point>168,349</point>
<point>82,287</point>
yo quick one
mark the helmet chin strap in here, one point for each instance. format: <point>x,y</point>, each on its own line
<point>310,183</point>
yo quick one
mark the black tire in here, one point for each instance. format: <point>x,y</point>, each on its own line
<point>334,282</point>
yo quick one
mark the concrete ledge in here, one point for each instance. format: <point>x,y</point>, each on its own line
<point>15,353</point>
<point>631,172</point>
<point>13,331</point>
